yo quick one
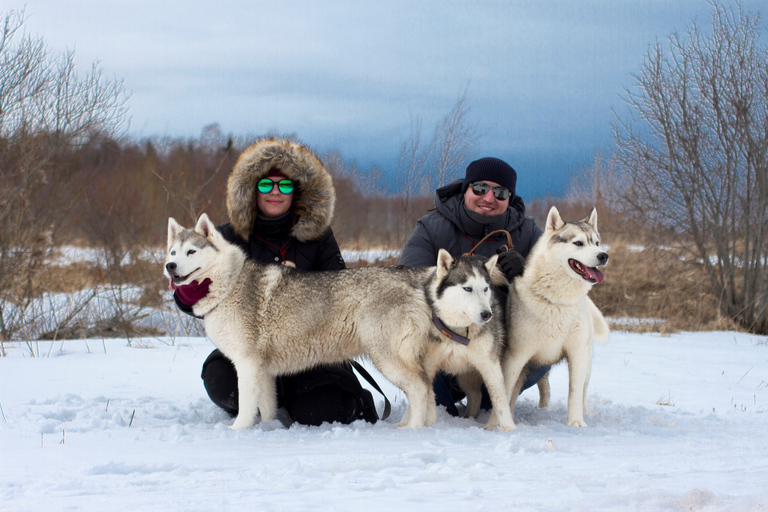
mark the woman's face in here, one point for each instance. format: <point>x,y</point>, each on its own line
<point>274,203</point>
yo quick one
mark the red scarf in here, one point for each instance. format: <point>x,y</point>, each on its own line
<point>190,293</point>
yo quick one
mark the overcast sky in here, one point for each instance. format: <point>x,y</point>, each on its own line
<point>543,75</point>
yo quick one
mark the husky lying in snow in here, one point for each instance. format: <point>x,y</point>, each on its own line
<point>551,318</point>
<point>273,320</point>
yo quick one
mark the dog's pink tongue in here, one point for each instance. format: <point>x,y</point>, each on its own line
<point>596,274</point>
<point>171,285</point>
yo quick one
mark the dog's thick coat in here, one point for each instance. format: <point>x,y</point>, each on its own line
<point>274,320</point>
<point>551,318</point>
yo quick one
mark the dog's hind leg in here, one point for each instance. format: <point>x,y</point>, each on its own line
<point>267,397</point>
<point>471,383</point>
<point>544,392</point>
<point>417,390</point>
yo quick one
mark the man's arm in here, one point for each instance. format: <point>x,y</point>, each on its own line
<point>419,251</point>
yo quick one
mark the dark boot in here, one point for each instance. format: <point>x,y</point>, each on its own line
<point>220,381</point>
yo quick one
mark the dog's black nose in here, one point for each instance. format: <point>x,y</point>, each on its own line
<point>602,258</point>
<point>486,315</point>
<point>170,266</point>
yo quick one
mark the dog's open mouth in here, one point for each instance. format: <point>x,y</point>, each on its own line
<point>174,280</point>
<point>591,274</point>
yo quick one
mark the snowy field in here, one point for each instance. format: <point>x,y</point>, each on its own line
<point>675,423</point>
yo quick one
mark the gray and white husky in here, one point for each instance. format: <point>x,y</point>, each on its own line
<point>551,318</point>
<point>272,320</point>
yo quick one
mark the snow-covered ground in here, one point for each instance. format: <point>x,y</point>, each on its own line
<point>675,423</point>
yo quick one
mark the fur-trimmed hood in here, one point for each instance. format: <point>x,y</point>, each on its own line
<point>314,197</point>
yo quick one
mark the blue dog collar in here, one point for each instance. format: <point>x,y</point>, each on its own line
<point>447,332</point>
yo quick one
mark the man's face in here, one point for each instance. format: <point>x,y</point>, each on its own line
<point>485,204</point>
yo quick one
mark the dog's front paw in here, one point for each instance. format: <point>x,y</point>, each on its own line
<point>503,428</point>
<point>576,423</point>
<point>241,423</point>
<point>493,422</point>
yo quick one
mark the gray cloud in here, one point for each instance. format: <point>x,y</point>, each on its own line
<point>351,74</point>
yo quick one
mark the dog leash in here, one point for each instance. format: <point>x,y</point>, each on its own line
<point>367,376</point>
<point>509,247</point>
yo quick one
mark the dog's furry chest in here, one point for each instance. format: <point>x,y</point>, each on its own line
<point>224,327</point>
<point>455,357</point>
<point>547,330</point>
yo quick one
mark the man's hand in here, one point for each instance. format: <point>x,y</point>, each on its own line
<point>511,263</point>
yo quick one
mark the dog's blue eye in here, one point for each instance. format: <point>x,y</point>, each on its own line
<point>191,252</point>
<point>467,288</point>
<point>173,253</point>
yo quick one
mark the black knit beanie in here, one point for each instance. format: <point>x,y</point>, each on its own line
<point>490,169</point>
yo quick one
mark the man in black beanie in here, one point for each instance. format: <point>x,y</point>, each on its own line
<point>465,212</point>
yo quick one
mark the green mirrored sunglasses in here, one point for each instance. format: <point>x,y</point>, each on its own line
<point>266,185</point>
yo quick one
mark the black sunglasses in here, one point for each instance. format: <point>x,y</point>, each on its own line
<point>266,185</point>
<point>481,188</point>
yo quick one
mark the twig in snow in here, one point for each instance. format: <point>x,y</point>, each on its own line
<point>742,377</point>
<point>665,401</point>
<point>3,412</point>
<point>132,415</point>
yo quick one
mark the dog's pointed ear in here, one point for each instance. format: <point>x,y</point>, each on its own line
<point>592,219</point>
<point>204,226</point>
<point>491,263</point>
<point>497,275</point>
<point>174,228</point>
<point>444,263</point>
<point>554,221</point>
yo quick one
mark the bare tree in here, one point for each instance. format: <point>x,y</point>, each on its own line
<point>48,114</point>
<point>454,140</point>
<point>693,155</point>
<point>411,165</point>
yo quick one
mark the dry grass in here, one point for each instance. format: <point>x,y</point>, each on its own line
<point>640,284</point>
<point>656,284</point>
<point>80,276</point>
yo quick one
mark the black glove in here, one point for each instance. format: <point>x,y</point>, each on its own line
<point>511,263</point>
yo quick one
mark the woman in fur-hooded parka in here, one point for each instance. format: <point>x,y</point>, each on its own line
<point>302,236</point>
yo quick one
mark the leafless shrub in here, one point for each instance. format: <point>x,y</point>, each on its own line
<point>692,155</point>
<point>49,113</point>
<point>454,140</point>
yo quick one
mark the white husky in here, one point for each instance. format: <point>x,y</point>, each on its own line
<point>272,320</point>
<point>551,318</point>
